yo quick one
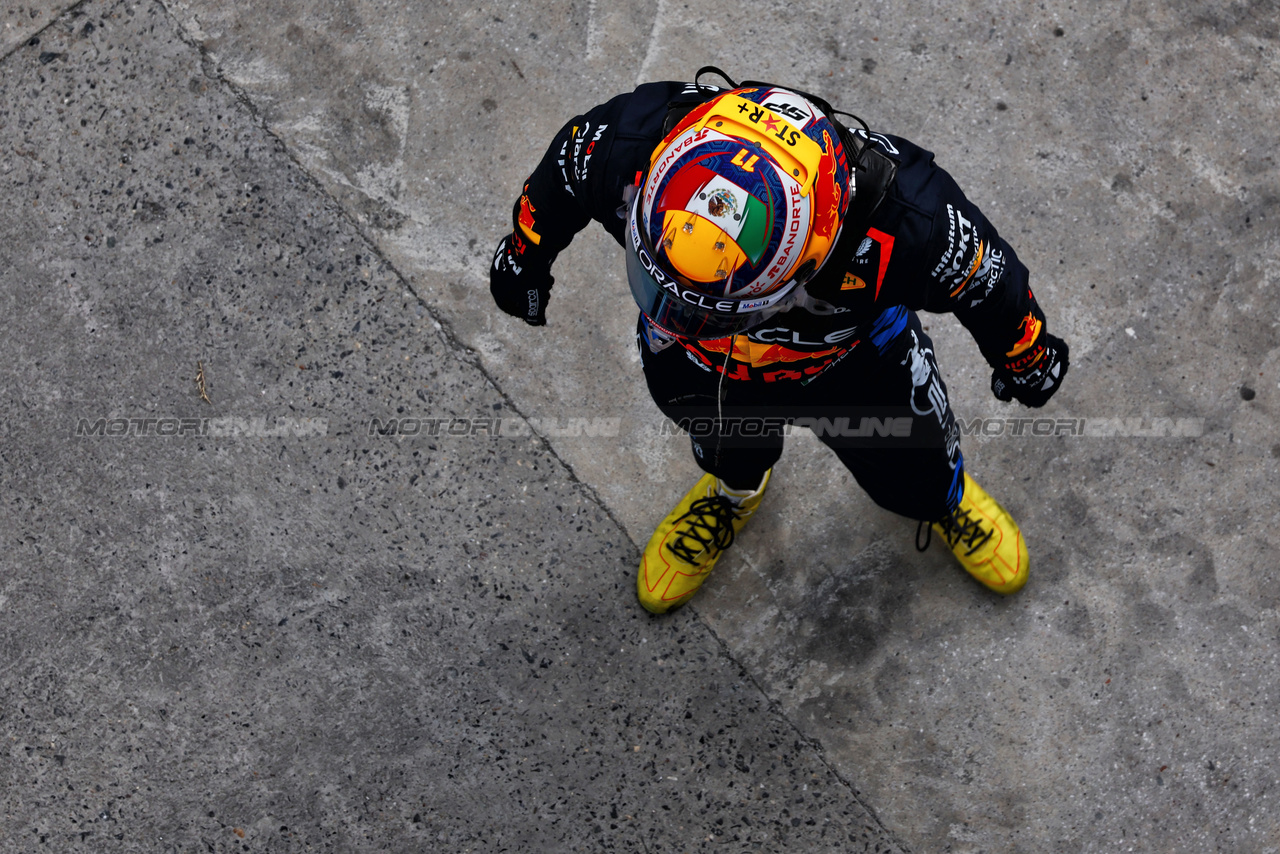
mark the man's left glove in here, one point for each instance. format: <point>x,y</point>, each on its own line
<point>1035,383</point>
<point>520,280</point>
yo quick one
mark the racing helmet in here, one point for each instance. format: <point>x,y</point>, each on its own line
<point>741,203</point>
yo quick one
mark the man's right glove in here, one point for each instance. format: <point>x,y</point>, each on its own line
<point>520,281</point>
<point>1035,383</point>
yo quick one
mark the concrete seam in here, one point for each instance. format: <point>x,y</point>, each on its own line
<point>467,356</point>
<point>460,350</point>
<point>814,744</point>
<point>38,33</point>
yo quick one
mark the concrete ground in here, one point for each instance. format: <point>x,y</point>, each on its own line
<point>254,623</point>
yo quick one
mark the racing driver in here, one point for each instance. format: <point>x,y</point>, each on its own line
<point>779,260</point>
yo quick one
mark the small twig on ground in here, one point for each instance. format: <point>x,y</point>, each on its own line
<point>204,395</point>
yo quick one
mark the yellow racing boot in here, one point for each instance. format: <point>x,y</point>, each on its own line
<point>985,539</point>
<point>685,547</point>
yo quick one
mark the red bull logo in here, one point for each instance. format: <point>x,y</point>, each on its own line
<point>526,222</point>
<point>759,354</point>
<point>826,218</point>
<point>1031,327</point>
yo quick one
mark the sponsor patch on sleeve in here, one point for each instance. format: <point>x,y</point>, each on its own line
<point>969,266</point>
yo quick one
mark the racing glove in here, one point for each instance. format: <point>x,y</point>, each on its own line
<point>520,280</point>
<point>1033,380</point>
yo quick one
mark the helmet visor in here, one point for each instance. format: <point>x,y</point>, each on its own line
<point>679,308</point>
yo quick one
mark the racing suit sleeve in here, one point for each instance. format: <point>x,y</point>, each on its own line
<point>581,177</point>
<point>543,222</point>
<point>551,210</point>
<point>566,190</point>
<point>975,274</point>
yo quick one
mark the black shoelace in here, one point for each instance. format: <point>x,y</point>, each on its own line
<point>958,526</point>
<point>710,526</point>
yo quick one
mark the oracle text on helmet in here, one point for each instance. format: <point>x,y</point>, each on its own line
<point>668,284</point>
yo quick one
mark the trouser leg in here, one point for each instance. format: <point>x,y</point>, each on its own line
<point>917,473</point>
<point>730,438</point>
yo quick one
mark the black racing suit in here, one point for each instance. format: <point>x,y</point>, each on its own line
<point>849,359</point>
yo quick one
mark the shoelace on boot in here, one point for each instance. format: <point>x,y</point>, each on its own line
<point>957,526</point>
<point>712,516</point>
